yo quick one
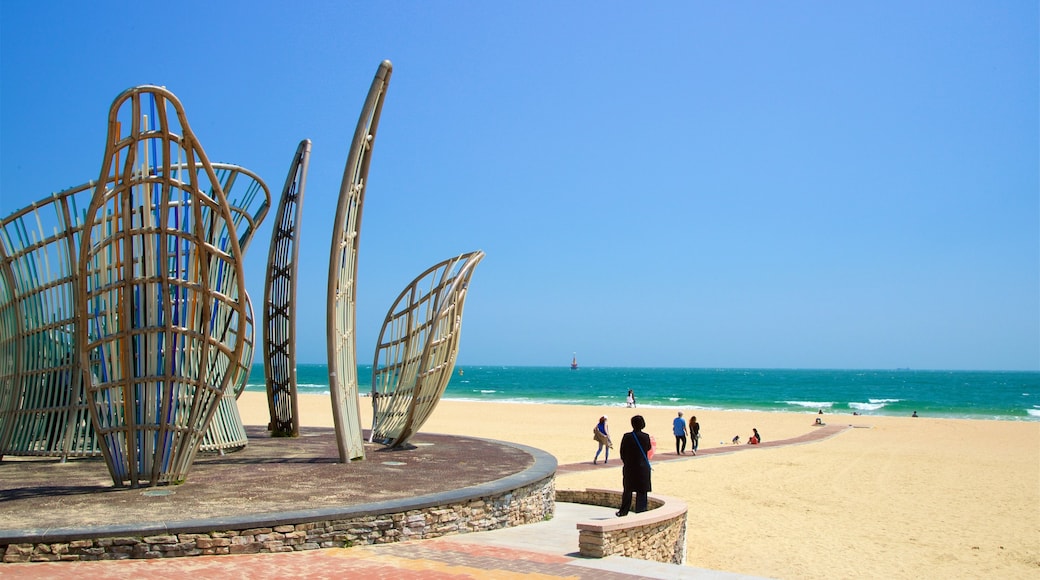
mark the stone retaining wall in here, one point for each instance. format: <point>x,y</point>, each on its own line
<point>657,534</point>
<point>512,507</point>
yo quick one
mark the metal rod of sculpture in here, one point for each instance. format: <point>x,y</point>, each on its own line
<point>43,406</point>
<point>341,326</point>
<point>10,357</point>
<point>159,293</point>
<point>417,348</point>
<point>280,300</point>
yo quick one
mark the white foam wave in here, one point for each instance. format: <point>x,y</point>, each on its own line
<point>487,391</point>
<point>866,406</point>
<point>1033,412</point>
<point>884,400</point>
<point>811,404</point>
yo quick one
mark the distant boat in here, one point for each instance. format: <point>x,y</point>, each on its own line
<point>574,363</point>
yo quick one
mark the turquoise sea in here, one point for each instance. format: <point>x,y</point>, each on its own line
<point>1008,396</point>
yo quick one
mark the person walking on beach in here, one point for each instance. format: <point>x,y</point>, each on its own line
<point>635,471</point>
<point>631,400</point>
<point>602,436</point>
<point>695,434</point>
<point>679,430</point>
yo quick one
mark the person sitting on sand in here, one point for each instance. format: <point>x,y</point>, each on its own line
<point>819,421</point>
<point>755,439</point>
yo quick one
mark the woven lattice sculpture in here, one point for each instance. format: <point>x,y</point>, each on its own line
<point>159,293</point>
<point>342,345</point>
<point>226,431</point>
<point>249,200</point>
<point>415,354</point>
<point>42,408</point>
<point>280,300</point>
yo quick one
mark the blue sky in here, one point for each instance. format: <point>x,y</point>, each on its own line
<point>689,184</point>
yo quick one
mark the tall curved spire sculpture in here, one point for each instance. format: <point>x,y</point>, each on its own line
<point>417,346</point>
<point>341,326</point>
<point>280,300</point>
<point>159,294</point>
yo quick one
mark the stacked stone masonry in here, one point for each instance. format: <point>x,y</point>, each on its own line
<point>524,505</point>
<point>660,537</point>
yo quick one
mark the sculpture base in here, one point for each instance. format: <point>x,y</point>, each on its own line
<point>277,494</point>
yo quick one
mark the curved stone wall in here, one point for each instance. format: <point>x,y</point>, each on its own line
<point>523,498</point>
<point>657,534</point>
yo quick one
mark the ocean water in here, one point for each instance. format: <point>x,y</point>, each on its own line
<point>1008,396</point>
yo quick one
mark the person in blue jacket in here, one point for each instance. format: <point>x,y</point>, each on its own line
<point>679,430</point>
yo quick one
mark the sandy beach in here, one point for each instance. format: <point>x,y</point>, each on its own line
<point>895,497</point>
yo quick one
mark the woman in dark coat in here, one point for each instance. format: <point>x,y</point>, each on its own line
<point>635,475</point>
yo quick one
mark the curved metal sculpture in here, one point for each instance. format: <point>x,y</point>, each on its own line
<point>43,409</point>
<point>226,431</point>
<point>159,293</point>
<point>43,406</point>
<point>249,200</point>
<point>340,329</point>
<point>280,300</point>
<point>415,354</point>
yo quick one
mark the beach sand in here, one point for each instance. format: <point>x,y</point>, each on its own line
<point>896,498</point>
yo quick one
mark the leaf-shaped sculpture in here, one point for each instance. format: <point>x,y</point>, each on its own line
<point>159,294</point>
<point>416,351</point>
<point>280,300</point>
<point>341,326</point>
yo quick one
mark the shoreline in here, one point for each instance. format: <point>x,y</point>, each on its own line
<point>1028,418</point>
<point>900,497</point>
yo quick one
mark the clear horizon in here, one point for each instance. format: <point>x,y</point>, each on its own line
<point>582,366</point>
<point>802,185</point>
